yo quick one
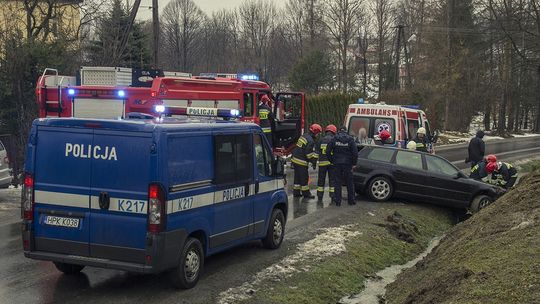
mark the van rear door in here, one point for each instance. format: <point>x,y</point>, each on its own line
<point>119,184</point>
<point>62,190</point>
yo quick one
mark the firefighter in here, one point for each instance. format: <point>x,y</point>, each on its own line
<point>478,171</point>
<point>325,166</point>
<point>343,154</point>
<point>502,174</point>
<point>421,140</point>
<point>302,155</point>
<point>266,118</point>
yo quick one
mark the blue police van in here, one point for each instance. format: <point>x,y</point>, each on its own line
<point>148,195</point>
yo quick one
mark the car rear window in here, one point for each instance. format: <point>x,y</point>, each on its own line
<point>440,166</point>
<point>409,159</point>
<point>384,155</point>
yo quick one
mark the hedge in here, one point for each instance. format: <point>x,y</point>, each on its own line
<point>328,108</point>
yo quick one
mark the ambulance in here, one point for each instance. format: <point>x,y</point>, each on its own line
<point>402,122</point>
<point>149,195</point>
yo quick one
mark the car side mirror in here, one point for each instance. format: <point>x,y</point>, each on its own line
<point>279,167</point>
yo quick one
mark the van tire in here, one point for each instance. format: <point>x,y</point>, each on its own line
<point>68,269</point>
<point>191,263</point>
<point>276,230</point>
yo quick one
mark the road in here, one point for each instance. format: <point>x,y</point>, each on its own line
<point>28,281</point>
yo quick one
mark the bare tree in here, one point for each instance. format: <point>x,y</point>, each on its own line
<point>342,23</point>
<point>183,23</point>
<point>384,18</point>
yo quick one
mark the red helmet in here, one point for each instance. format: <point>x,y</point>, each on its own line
<point>491,158</point>
<point>491,166</point>
<point>384,135</point>
<point>331,128</point>
<point>315,129</point>
<point>265,99</point>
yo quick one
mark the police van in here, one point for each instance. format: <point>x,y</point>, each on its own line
<point>149,195</point>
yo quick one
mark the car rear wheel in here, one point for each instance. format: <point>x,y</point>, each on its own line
<point>380,189</point>
<point>68,268</point>
<point>480,202</point>
<point>276,230</point>
<point>187,274</point>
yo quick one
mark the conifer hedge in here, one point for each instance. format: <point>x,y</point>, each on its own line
<point>328,108</point>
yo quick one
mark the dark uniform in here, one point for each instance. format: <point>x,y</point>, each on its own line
<point>478,171</point>
<point>266,121</point>
<point>421,144</point>
<point>505,176</point>
<point>325,166</point>
<point>343,154</point>
<point>302,155</point>
<point>476,149</point>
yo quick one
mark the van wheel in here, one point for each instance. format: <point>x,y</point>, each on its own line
<point>480,202</point>
<point>68,268</point>
<point>187,274</point>
<point>276,230</point>
<point>380,189</point>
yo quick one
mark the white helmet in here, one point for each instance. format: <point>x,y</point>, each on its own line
<point>421,130</point>
<point>411,145</point>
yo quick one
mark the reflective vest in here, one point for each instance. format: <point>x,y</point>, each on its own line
<point>303,152</point>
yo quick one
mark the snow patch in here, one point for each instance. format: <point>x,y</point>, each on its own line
<point>330,242</point>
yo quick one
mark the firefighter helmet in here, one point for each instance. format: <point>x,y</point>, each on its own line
<point>491,158</point>
<point>315,129</point>
<point>331,128</point>
<point>421,130</point>
<point>491,166</point>
<point>265,99</point>
<point>411,145</point>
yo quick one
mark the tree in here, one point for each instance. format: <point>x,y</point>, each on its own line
<point>312,73</point>
<point>383,12</point>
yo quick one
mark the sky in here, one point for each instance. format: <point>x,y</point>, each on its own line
<point>208,6</point>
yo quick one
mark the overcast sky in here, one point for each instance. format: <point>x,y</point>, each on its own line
<point>208,6</point>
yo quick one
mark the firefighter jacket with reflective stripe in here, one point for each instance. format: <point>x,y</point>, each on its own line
<point>505,172</point>
<point>303,152</point>
<point>421,144</point>
<point>320,149</point>
<point>342,150</point>
<point>478,171</point>
<point>266,118</point>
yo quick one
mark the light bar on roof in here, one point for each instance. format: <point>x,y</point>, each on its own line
<point>197,111</point>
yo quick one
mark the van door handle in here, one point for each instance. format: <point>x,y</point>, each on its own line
<point>247,189</point>
<point>104,200</point>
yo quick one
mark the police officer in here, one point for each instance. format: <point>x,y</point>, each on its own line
<point>421,140</point>
<point>343,154</point>
<point>325,166</point>
<point>302,155</point>
<point>266,118</point>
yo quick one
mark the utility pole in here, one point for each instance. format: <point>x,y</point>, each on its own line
<point>155,30</point>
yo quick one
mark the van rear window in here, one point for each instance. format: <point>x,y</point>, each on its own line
<point>233,158</point>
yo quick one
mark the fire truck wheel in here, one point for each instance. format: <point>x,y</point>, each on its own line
<point>187,274</point>
<point>68,268</point>
<point>276,230</point>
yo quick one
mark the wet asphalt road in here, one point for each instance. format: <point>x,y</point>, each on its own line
<point>27,281</point>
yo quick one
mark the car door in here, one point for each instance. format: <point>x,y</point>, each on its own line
<point>265,183</point>
<point>233,214</point>
<point>409,174</point>
<point>444,183</point>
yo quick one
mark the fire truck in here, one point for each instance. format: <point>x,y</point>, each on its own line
<point>402,122</point>
<point>115,92</point>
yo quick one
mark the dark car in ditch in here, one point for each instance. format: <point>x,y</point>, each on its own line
<point>384,172</point>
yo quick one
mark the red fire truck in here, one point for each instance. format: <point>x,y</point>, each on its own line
<point>111,93</point>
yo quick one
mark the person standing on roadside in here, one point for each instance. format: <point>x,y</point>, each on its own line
<point>266,118</point>
<point>302,156</point>
<point>325,166</point>
<point>477,149</point>
<point>343,154</point>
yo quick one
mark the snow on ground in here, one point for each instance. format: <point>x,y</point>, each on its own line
<point>331,241</point>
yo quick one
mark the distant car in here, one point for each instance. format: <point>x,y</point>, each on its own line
<point>5,174</point>
<point>383,173</point>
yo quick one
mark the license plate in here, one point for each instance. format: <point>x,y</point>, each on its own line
<point>62,221</point>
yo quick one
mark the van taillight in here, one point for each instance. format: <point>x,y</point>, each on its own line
<point>28,197</point>
<point>156,208</point>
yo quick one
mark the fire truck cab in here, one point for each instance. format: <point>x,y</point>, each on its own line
<point>113,92</point>
<point>402,122</point>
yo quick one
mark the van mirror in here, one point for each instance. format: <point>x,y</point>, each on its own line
<point>279,166</point>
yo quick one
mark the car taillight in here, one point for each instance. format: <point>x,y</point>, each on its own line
<point>156,208</point>
<point>28,197</point>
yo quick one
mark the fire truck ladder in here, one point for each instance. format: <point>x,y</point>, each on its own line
<point>54,106</point>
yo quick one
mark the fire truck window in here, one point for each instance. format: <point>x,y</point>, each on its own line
<point>292,106</point>
<point>248,104</point>
<point>357,123</point>
<point>412,127</point>
<point>387,124</point>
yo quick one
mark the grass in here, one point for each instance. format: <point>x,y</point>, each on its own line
<point>335,277</point>
<point>533,165</point>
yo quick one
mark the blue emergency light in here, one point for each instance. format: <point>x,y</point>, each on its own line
<point>121,93</point>
<point>415,107</point>
<point>360,101</point>
<point>249,77</point>
<point>71,92</point>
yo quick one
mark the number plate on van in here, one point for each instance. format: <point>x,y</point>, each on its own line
<point>61,221</point>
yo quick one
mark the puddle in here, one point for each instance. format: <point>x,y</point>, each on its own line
<point>376,287</point>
